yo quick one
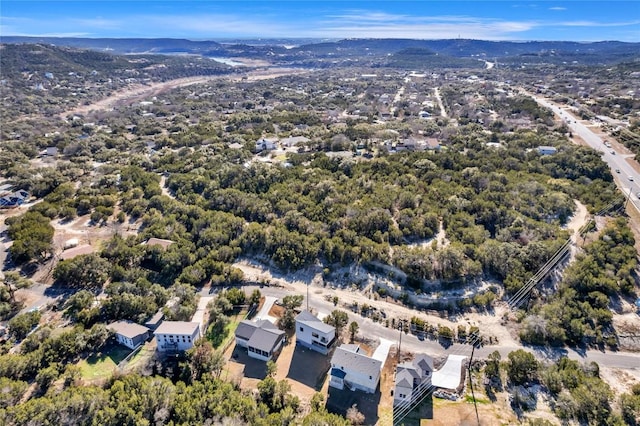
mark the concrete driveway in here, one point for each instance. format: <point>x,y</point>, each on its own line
<point>382,351</point>
<point>264,311</point>
<point>449,376</point>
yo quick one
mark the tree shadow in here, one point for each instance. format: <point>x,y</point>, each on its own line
<point>253,368</point>
<point>308,367</point>
<point>339,401</point>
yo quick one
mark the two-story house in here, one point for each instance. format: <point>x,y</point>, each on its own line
<point>313,333</point>
<point>413,379</point>
<point>176,336</point>
<point>354,370</point>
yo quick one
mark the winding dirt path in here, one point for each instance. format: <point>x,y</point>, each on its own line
<point>138,92</point>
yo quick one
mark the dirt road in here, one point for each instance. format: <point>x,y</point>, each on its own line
<point>139,92</point>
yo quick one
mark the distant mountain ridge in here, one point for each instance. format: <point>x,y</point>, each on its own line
<point>124,45</point>
<point>604,51</point>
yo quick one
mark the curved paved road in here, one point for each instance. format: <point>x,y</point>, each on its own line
<point>373,330</point>
<point>628,179</point>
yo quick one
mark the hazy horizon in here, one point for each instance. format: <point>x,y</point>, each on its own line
<point>542,20</point>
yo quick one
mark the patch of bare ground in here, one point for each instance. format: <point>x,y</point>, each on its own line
<point>490,323</point>
<point>139,92</point>
<point>620,380</point>
<point>462,413</point>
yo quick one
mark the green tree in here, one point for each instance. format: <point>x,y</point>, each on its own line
<point>203,359</point>
<point>522,367</point>
<point>338,319</point>
<point>32,236</point>
<point>492,368</point>
<point>20,325</point>
<point>317,401</point>
<point>84,271</point>
<point>290,304</point>
<point>353,330</point>
<point>272,368</point>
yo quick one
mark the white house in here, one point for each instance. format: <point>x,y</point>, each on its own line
<point>176,336</point>
<point>262,338</point>
<point>313,333</point>
<point>413,379</point>
<point>354,370</point>
<point>129,333</point>
<point>547,150</point>
<point>265,145</point>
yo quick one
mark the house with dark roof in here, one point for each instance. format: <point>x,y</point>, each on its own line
<point>262,339</point>
<point>155,320</point>
<point>263,144</point>
<point>413,379</point>
<point>313,333</point>
<point>129,333</point>
<point>177,336</point>
<point>14,200</point>
<point>353,369</point>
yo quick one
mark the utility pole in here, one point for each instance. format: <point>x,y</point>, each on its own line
<point>628,198</point>
<point>401,328</point>
<point>473,395</point>
<point>308,296</point>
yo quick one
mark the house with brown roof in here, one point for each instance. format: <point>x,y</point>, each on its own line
<point>262,339</point>
<point>158,242</point>
<point>129,333</point>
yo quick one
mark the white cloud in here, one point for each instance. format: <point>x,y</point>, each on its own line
<point>378,25</point>
<point>558,8</point>
<point>598,24</point>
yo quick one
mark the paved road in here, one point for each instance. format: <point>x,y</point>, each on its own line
<point>3,248</point>
<point>373,330</point>
<point>628,179</point>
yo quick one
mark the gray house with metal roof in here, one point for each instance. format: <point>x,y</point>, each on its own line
<point>413,379</point>
<point>352,369</point>
<point>313,333</point>
<point>129,333</point>
<point>262,338</point>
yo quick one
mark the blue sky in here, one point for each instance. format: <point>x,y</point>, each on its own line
<point>576,20</point>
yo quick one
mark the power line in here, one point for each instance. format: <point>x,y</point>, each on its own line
<point>402,409</point>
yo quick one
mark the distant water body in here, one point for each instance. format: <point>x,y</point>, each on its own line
<point>228,61</point>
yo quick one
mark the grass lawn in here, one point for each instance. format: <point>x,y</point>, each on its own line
<point>103,364</point>
<point>229,332</point>
<point>221,341</point>
<point>144,354</point>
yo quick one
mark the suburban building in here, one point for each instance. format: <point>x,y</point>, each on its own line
<point>76,251</point>
<point>547,150</point>
<point>129,333</point>
<point>313,333</point>
<point>354,370</point>
<point>155,320</point>
<point>176,336</point>
<point>158,242</point>
<point>412,379</point>
<point>265,145</point>
<point>14,200</point>
<point>262,338</point>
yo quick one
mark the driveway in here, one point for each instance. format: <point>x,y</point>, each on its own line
<point>201,310</point>
<point>382,351</point>
<point>264,311</point>
<point>449,376</point>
